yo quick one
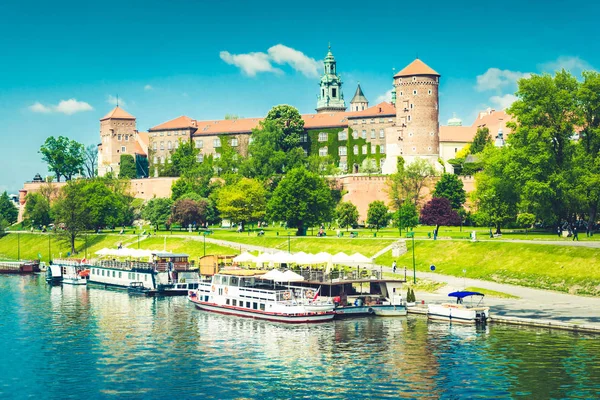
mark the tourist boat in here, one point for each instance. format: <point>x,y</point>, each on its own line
<point>161,276</point>
<point>19,267</point>
<point>245,293</point>
<point>378,305</point>
<point>68,271</point>
<point>460,312</point>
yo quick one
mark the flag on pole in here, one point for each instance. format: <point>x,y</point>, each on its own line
<point>317,294</point>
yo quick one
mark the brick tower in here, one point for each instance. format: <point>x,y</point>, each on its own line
<point>416,134</point>
<point>118,136</point>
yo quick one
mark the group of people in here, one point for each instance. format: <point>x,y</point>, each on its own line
<point>573,232</point>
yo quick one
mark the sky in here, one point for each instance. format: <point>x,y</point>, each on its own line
<point>63,63</point>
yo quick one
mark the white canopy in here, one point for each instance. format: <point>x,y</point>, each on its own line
<point>244,257</point>
<point>323,258</point>
<point>273,275</point>
<point>125,252</point>
<point>361,259</point>
<point>263,258</point>
<point>291,276</point>
<point>342,258</point>
<point>283,258</point>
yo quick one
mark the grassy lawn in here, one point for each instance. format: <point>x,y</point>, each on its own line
<point>194,248</point>
<point>491,293</point>
<point>568,269</point>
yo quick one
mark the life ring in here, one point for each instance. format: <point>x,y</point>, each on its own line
<point>213,288</point>
<point>226,290</point>
<point>287,295</point>
<point>309,294</point>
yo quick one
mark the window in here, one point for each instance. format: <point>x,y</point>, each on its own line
<point>410,134</point>
<point>429,148</point>
<point>372,120</point>
<point>355,150</point>
<point>414,149</point>
<point>123,149</point>
<point>355,134</point>
<point>169,145</point>
<point>381,134</point>
<point>431,133</point>
<point>199,144</point>
<point>154,146</point>
<point>155,161</point>
<point>262,306</point>
<point>162,159</point>
<point>409,118</point>
<point>364,149</point>
<point>414,78</point>
<point>217,156</point>
<point>322,136</point>
<point>176,144</point>
<point>234,142</point>
<point>382,149</point>
<point>169,133</point>
<point>234,302</point>
<point>303,138</point>
<point>333,92</point>
<point>411,106</point>
<point>305,152</point>
<point>323,151</point>
<point>343,166</point>
<point>119,137</point>
<point>343,135</point>
<point>372,133</point>
<point>217,142</point>
<point>364,134</point>
<point>247,304</point>
<point>119,274</point>
<point>200,157</point>
<point>401,93</point>
<point>162,134</point>
<point>429,92</point>
<point>373,147</point>
<point>162,145</point>
<point>381,120</point>
<point>342,151</point>
<point>414,92</point>
<point>127,138</point>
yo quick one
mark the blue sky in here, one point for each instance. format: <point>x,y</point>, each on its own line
<point>62,63</point>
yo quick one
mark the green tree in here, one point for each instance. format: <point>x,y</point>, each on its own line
<point>407,216</point>
<point>369,166</point>
<point>526,220</point>
<point>302,199</point>
<point>8,211</point>
<point>196,180</point>
<point>37,209</point>
<point>321,165</point>
<point>378,214</point>
<point>64,157</point>
<point>290,124</point>
<point>482,138</point>
<point>228,163</point>
<point>157,211</point>
<point>409,181</point>
<point>127,168</point>
<point>71,212</point>
<point>451,187</point>
<point>242,202</point>
<point>346,214</point>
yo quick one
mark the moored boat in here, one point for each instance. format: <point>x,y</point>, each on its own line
<point>69,271</point>
<point>460,311</point>
<point>19,267</point>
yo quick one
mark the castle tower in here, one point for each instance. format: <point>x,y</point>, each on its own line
<point>359,102</point>
<point>417,116</point>
<point>118,135</point>
<point>330,97</point>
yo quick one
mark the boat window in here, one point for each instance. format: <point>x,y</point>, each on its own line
<point>138,277</point>
<point>114,274</point>
<point>227,301</point>
<point>205,298</point>
<point>255,306</point>
<point>145,276</point>
<point>119,274</point>
<point>234,302</point>
<point>262,306</point>
<point>247,304</point>
<point>102,272</point>
<point>218,279</point>
<point>235,281</point>
<point>225,280</point>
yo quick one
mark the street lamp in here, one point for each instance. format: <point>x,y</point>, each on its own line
<point>412,235</point>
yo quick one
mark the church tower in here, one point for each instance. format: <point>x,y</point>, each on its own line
<point>118,135</point>
<point>330,97</point>
<point>359,102</point>
<point>417,116</point>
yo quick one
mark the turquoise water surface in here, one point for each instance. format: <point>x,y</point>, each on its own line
<point>75,342</point>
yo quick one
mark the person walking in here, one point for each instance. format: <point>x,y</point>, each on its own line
<point>559,231</point>
<point>575,235</point>
<point>394,267</point>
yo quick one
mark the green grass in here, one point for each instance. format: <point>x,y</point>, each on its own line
<point>193,248</point>
<point>491,293</point>
<point>568,269</point>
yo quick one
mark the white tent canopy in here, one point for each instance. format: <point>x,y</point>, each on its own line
<point>273,275</point>
<point>125,252</point>
<point>290,276</point>
<point>244,257</point>
<point>342,258</point>
<point>361,259</point>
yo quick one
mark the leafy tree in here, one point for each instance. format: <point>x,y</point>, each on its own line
<point>482,138</point>
<point>346,214</point>
<point>210,213</point>
<point>407,216</point>
<point>233,117</point>
<point>157,211</point>
<point>409,181</point>
<point>127,168</point>
<point>90,161</point>
<point>302,199</point>
<point>196,180</point>
<point>378,214</point>
<point>37,208</point>
<point>71,212</point>
<point>3,225</point>
<point>526,220</point>
<point>228,163</point>
<point>64,157</point>
<point>323,166</point>
<point>8,211</point>
<point>438,212</point>
<point>451,188</point>
<point>243,201</point>
<point>368,166</point>
<point>187,211</point>
<point>290,124</point>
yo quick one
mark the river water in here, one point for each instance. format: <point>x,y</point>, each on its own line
<point>75,342</point>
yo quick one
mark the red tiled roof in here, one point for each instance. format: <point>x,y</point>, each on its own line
<point>241,125</point>
<point>383,108</point>
<point>118,113</point>
<point>492,119</point>
<point>177,123</point>
<point>416,67</point>
<point>457,133</point>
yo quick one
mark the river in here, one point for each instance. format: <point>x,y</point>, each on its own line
<point>75,342</point>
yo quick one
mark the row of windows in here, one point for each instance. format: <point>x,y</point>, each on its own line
<point>169,133</point>
<point>343,150</point>
<point>344,165</point>
<point>252,305</point>
<point>170,145</point>
<point>117,274</point>
<point>414,79</point>
<point>363,122</point>
<point>415,93</point>
<point>343,135</point>
<point>125,137</point>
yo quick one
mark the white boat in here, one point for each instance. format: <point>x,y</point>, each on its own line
<point>243,293</point>
<point>68,271</point>
<point>460,311</point>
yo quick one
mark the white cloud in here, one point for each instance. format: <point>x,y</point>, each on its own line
<point>503,102</point>
<point>148,87</point>
<point>115,101</point>
<point>68,107</point>
<point>387,96</point>
<point>250,63</point>
<point>495,78</point>
<point>296,59</point>
<point>573,64</point>
<point>253,63</point>
<point>40,108</point>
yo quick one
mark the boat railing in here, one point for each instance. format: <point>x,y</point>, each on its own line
<point>71,262</point>
<point>127,265</point>
<point>321,276</point>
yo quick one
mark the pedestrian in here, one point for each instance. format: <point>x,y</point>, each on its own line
<point>394,267</point>
<point>559,231</point>
<point>575,236</point>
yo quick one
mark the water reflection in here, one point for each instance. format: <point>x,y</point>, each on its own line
<point>77,342</point>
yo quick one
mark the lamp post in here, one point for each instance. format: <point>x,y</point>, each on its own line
<point>412,235</point>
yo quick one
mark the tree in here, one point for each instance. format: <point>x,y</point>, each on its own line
<point>438,211</point>
<point>37,209</point>
<point>378,214</point>
<point>482,138</point>
<point>127,168</point>
<point>321,165</point>
<point>71,213</point>
<point>188,211</point>
<point>90,160</point>
<point>243,202</point>
<point>302,199</point>
<point>197,180</point>
<point>407,216</point>
<point>8,211</point>
<point>451,187</point>
<point>232,117</point>
<point>157,211</point>
<point>368,166</point>
<point>346,214</point>
<point>409,181</point>
<point>290,124</point>
<point>526,220</point>
<point>64,157</point>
